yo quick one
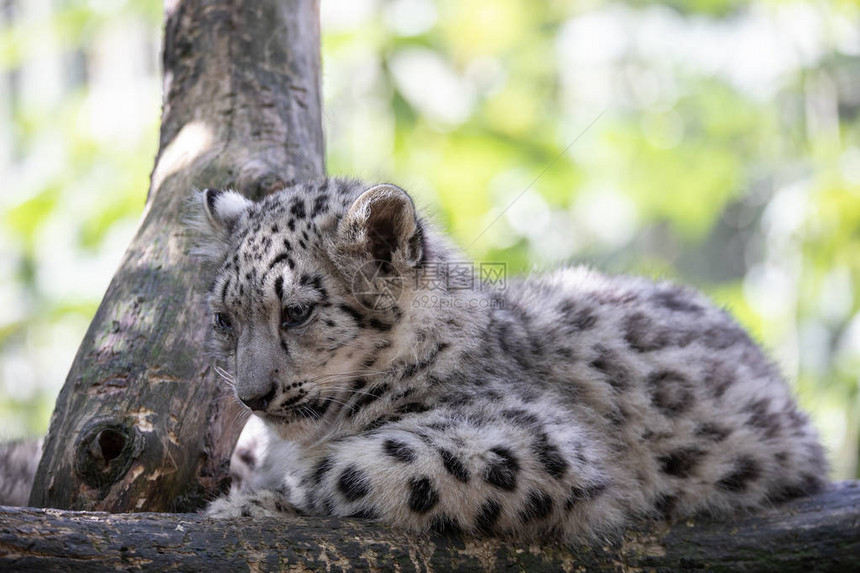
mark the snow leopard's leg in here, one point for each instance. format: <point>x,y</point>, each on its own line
<point>481,477</point>
<point>510,473</point>
<point>271,487</point>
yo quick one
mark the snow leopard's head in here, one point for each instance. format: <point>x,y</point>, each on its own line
<point>312,285</point>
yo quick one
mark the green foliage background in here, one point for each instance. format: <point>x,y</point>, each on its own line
<point>715,142</point>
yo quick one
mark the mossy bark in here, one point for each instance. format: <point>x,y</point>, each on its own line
<point>818,533</point>
<point>142,424</point>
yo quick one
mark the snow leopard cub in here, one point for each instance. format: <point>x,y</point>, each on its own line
<point>396,388</point>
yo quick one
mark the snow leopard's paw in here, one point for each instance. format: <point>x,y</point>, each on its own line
<point>264,503</point>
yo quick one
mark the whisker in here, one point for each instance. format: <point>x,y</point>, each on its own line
<point>222,371</point>
<point>336,401</point>
<point>350,390</point>
<point>347,373</point>
<point>306,413</point>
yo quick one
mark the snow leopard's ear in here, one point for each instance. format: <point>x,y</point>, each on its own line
<point>382,223</point>
<point>215,214</point>
<point>223,208</point>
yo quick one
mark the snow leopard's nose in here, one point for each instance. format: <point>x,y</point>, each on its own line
<point>260,402</point>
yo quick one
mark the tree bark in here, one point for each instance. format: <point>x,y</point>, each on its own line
<point>818,533</point>
<point>141,423</point>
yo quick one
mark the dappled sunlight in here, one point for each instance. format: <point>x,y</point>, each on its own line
<point>193,140</point>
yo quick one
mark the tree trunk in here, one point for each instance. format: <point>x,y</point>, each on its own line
<point>142,423</point>
<point>819,533</point>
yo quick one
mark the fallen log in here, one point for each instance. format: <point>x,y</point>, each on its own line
<point>817,533</point>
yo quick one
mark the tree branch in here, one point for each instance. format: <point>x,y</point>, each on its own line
<point>818,533</point>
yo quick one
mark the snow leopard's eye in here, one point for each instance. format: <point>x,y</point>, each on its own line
<point>222,321</point>
<point>295,314</point>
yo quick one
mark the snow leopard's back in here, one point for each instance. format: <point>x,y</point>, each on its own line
<point>693,414</point>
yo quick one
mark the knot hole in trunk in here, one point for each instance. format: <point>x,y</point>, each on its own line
<point>105,452</point>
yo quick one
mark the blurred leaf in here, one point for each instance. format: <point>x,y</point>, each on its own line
<point>24,218</point>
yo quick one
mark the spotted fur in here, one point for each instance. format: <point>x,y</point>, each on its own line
<point>569,404</point>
